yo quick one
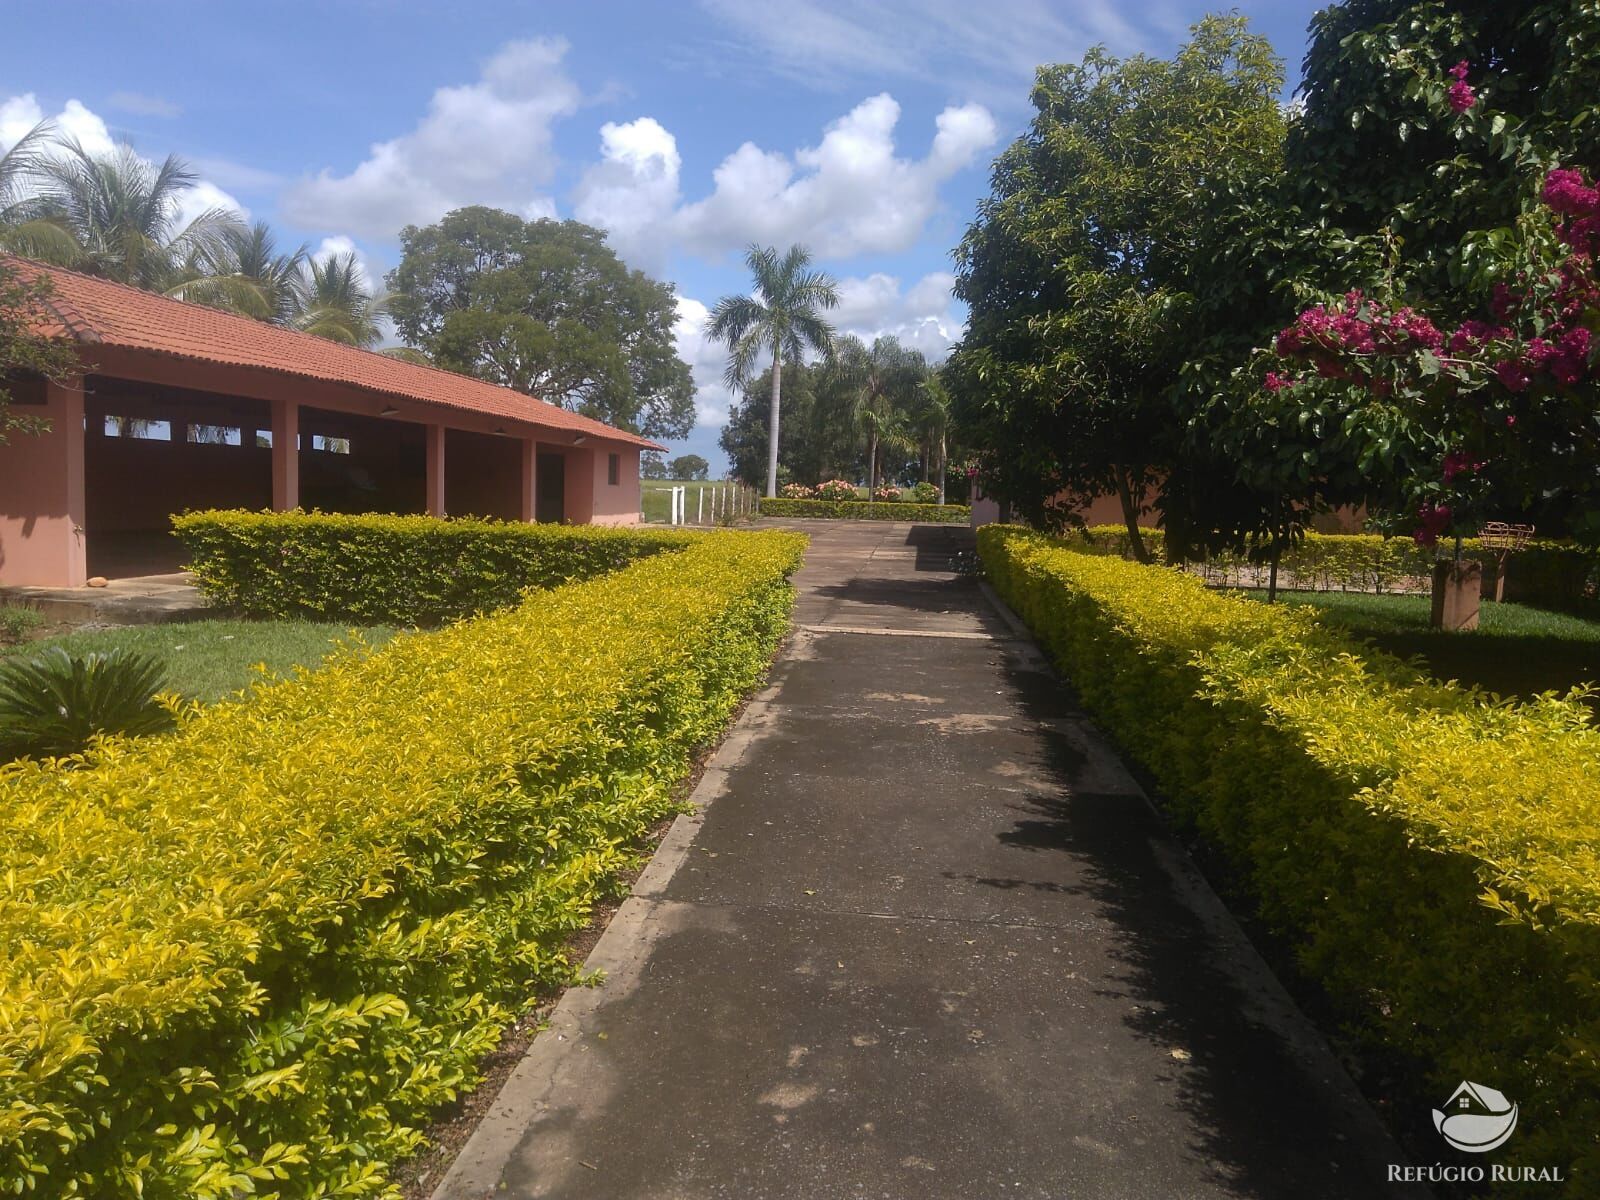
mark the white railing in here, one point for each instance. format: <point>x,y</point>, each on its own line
<point>713,504</point>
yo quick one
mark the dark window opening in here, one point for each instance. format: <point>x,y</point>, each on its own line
<point>613,469</point>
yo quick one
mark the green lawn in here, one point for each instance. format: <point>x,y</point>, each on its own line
<point>207,660</point>
<point>1516,650</point>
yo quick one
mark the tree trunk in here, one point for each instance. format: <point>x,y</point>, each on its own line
<point>1130,515</point>
<point>772,428</point>
<point>941,468</point>
<point>1272,573</point>
<point>927,453</point>
<point>872,464</point>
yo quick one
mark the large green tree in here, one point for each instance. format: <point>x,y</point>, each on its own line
<point>1080,269</point>
<point>547,308</point>
<point>782,318</point>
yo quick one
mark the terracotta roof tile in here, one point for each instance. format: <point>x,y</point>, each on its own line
<point>95,310</point>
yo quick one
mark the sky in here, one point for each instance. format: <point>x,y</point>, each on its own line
<point>688,130</point>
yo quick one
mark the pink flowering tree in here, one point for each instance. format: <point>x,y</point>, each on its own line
<point>1494,416</point>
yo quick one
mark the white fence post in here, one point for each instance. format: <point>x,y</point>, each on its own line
<point>700,507</point>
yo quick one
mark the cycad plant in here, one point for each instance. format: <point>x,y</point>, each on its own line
<point>53,702</point>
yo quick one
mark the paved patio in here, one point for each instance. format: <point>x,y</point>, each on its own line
<point>923,937</point>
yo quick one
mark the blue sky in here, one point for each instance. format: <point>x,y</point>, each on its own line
<point>687,129</point>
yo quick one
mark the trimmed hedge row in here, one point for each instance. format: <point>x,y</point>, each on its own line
<point>401,570</point>
<point>865,510</point>
<point>1556,574</point>
<point>1432,855</point>
<point>252,955</point>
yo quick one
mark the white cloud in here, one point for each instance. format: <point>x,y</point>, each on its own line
<point>143,105</point>
<point>75,122</point>
<point>19,114</point>
<point>924,316</point>
<point>849,194</point>
<point>480,143</point>
<point>632,191</point>
<point>707,360</point>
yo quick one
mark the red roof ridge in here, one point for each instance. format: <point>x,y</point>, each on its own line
<point>80,328</point>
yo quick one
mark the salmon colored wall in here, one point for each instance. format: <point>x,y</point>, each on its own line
<point>616,504</point>
<point>41,492</point>
<point>580,486</point>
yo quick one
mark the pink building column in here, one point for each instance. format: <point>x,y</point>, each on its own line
<point>435,488</point>
<point>285,455</point>
<point>528,485</point>
<point>42,517</point>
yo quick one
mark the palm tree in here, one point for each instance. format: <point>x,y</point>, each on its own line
<point>245,273</point>
<point>27,214</point>
<point>885,380</point>
<point>782,316</point>
<point>122,212</point>
<point>335,303</point>
<point>934,418</point>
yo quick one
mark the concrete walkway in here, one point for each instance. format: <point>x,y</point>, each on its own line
<point>924,938</point>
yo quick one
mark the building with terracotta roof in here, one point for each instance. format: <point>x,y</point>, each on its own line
<point>179,406</point>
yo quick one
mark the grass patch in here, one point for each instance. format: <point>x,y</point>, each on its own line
<point>1515,651</point>
<point>208,660</point>
<point>655,497</point>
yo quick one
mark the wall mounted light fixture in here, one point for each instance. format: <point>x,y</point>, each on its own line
<point>388,410</point>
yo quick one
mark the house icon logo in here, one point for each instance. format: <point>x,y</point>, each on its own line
<point>1476,1118</point>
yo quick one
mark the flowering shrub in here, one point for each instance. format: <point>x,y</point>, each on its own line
<point>1493,416</point>
<point>865,510</point>
<point>835,489</point>
<point>886,494</point>
<point>925,493</point>
<point>797,491</point>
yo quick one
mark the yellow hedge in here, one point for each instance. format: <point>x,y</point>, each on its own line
<point>399,570</point>
<point>250,956</point>
<point>1431,852</point>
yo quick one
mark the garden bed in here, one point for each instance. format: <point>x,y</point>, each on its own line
<point>865,510</point>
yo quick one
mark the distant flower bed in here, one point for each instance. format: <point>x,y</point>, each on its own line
<point>866,510</point>
<point>886,495</point>
<point>834,489</point>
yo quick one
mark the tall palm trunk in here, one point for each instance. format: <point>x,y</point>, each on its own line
<point>872,464</point>
<point>941,468</point>
<point>772,430</point>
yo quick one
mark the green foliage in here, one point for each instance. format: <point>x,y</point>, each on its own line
<point>865,510</point>
<point>53,702</point>
<point>254,955</point>
<point>1080,268</point>
<point>545,307</point>
<point>924,493</point>
<point>16,622</point>
<point>689,467</point>
<point>1430,853</point>
<point>1378,150</point>
<point>25,356</point>
<point>400,570</point>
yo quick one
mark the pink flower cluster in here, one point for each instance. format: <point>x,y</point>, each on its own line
<point>1578,204</point>
<point>887,493</point>
<point>1460,93</point>
<point>796,491</point>
<point>1432,520</point>
<point>1327,337</point>
<point>835,489</point>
